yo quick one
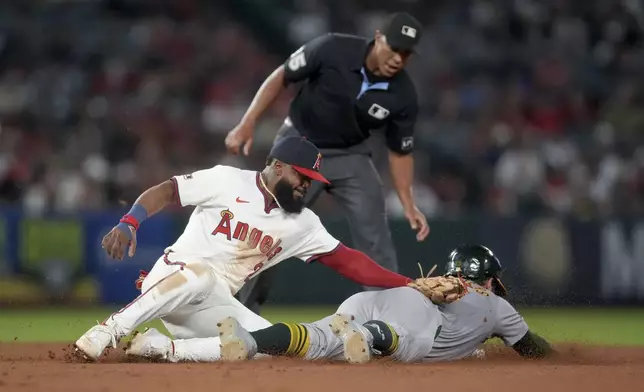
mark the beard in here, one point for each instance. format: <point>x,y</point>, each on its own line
<point>287,199</point>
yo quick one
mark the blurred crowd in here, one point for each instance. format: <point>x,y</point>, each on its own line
<point>527,106</point>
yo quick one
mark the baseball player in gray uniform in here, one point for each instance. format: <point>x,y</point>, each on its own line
<point>401,323</point>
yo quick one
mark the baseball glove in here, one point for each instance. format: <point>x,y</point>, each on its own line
<point>440,289</point>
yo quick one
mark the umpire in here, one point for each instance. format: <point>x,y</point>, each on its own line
<point>350,86</point>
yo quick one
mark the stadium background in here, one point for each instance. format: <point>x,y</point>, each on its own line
<point>529,140</point>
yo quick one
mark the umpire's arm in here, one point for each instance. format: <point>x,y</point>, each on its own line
<point>400,141</point>
<point>301,65</point>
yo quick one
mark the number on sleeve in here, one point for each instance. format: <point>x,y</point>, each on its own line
<point>297,60</point>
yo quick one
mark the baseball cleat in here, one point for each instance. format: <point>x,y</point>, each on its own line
<point>91,345</point>
<point>356,345</point>
<point>237,344</point>
<point>150,344</point>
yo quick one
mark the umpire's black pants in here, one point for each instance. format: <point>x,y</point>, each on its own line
<point>357,187</point>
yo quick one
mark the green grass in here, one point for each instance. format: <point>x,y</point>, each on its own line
<point>63,324</point>
<point>612,326</point>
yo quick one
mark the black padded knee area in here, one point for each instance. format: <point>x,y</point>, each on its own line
<point>385,339</point>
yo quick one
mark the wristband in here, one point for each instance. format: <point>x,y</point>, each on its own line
<point>125,228</point>
<point>135,216</point>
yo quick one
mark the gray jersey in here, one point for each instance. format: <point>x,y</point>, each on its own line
<point>472,320</point>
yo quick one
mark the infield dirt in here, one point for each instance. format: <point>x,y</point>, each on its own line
<point>49,367</point>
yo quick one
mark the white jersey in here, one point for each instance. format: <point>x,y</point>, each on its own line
<point>238,229</point>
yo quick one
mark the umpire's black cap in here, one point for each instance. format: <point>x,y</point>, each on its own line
<point>403,32</point>
<point>301,154</point>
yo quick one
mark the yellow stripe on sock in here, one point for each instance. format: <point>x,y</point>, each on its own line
<point>305,341</point>
<point>301,333</point>
<point>394,342</point>
<point>295,338</point>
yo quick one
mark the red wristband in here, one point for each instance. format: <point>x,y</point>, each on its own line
<point>130,220</point>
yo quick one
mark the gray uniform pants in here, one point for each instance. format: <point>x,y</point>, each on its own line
<point>415,319</point>
<point>357,188</point>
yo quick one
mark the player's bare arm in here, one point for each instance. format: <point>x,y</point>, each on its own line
<point>533,346</point>
<point>402,174</point>
<point>149,203</point>
<point>265,96</point>
<point>299,66</point>
<point>242,135</point>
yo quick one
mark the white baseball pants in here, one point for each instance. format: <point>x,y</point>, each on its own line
<point>190,299</point>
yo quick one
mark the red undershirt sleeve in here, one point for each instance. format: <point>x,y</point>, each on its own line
<point>358,267</point>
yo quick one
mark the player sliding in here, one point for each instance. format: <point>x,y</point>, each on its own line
<point>244,223</point>
<point>400,323</point>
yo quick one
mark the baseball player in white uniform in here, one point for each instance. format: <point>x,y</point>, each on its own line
<point>401,323</point>
<point>244,223</point>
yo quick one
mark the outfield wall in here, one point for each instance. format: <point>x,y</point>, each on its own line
<point>548,260</point>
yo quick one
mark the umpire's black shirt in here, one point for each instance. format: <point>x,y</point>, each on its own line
<point>341,101</point>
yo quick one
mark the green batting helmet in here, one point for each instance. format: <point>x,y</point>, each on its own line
<point>478,264</point>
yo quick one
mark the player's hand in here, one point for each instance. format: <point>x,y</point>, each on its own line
<point>418,222</point>
<point>240,138</point>
<point>117,240</point>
